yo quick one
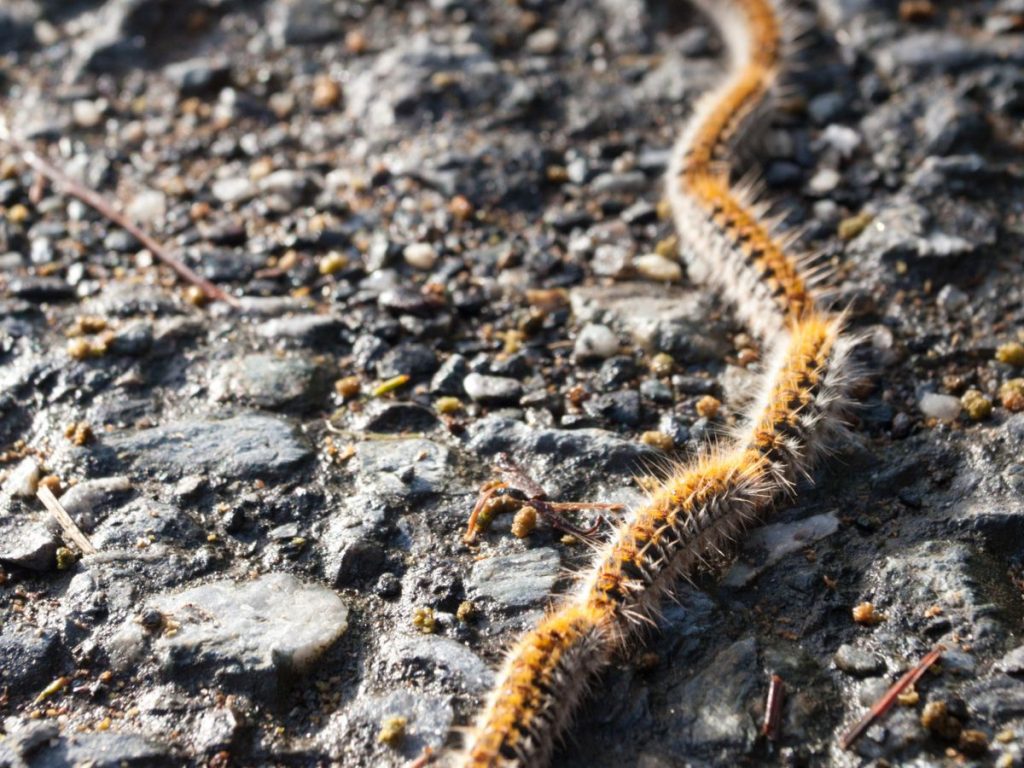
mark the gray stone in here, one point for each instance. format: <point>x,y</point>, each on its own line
<point>145,520</point>
<point>428,719</point>
<point>401,86</point>
<point>659,318</point>
<point>352,551</point>
<point>28,657</point>
<point>298,22</point>
<point>23,479</point>
<point>778,541</point>
<point>857,661</point>
<point>27,542</point>
<point>593,449</point>
<point>492,390</point>
<point>134,339</point>
<point>441,659</point>
<point>103,750</point>
<point>270,381</point>
<point>233,189</point>
<point>386,416</point>
<point>301,329</point>
<point>448,379</point>
<point>718,702</point>
<point>255,635</point>
<point>199,76</point>
<point>1013,662</point>
<point>406,468</point>
<point>244,446</point>
<point>413,359</point>
<point>520,580</point>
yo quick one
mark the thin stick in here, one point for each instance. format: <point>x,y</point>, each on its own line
<point>773,709</point>
<point>70,528</point>
<point>97,202</point>
<point>882,706</point>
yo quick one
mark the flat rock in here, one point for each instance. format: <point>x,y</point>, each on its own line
<point>27,657</point>
<point>492,390</point>
<point>103,750</point>
<point>428,719</point>
<point>301,329</point>
<point>269,381</point>
<point>518,580</point>
<point>778,541</point>
<point>593,448</point>
<point>27,542</point>
<point>407,467</point>
<point>658,317</point>
<point>244,446</point>
<point>442,659</point>
<point>858,661</point>
<point>255,635</point>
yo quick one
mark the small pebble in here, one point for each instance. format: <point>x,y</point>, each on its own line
<point>1011,353</point>
<point>851,227</point>
<point>656,439</point>
<point>332,262</point>
<point>951,299</point>
<point>656,267</point>
<point>978,406</point>
<point>708,407</point>
<point>543,42</point>
<point>866,615</point>
<point>148,207</point>
<point>1011,394</point>
<point>420,255</point>
<point>596,341</point>
<point>662,364</point>
<point>392,730</point>
<point>941,407</point>
<point>326,93</point>
<point>87,113</point>
<point>524,522</point>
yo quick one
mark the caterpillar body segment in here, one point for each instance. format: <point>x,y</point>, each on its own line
<point>702,507</point>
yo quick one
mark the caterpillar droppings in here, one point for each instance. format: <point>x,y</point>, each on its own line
<point>703,507</point>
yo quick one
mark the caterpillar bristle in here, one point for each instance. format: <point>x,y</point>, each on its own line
<point>734,241</point>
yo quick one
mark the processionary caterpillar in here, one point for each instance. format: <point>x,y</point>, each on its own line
<point>704,506</point>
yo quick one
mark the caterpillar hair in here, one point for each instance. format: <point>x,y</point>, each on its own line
<point>703,507</point>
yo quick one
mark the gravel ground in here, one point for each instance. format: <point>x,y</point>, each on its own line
<point>468,194</point>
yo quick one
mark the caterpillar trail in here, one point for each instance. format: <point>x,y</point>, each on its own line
<point>703,507</point>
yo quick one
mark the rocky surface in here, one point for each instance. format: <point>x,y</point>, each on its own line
<point>442,220</point>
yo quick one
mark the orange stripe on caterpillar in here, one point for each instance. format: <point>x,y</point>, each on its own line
<point>689,521</point>
<point>703,507</point>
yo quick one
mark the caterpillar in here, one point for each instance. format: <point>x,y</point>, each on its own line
<point>702,507</point>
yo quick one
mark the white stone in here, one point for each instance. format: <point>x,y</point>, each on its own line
<point>841,138</point>
<point>543,42</point>
<point>656,267</point>
<point>87,113</point>
<point>824,181</point>
<point>234,189</point>
<point>23,480</point>
<point>273,622</point>
<point>596,341</point>
<point>942,407</point>
<point>148,207</point>
<point>420,255</point>
<point>951,299</point>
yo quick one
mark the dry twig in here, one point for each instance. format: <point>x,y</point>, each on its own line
<point>70,528</point>
<point>883,705</point>
<point>94,200</point>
